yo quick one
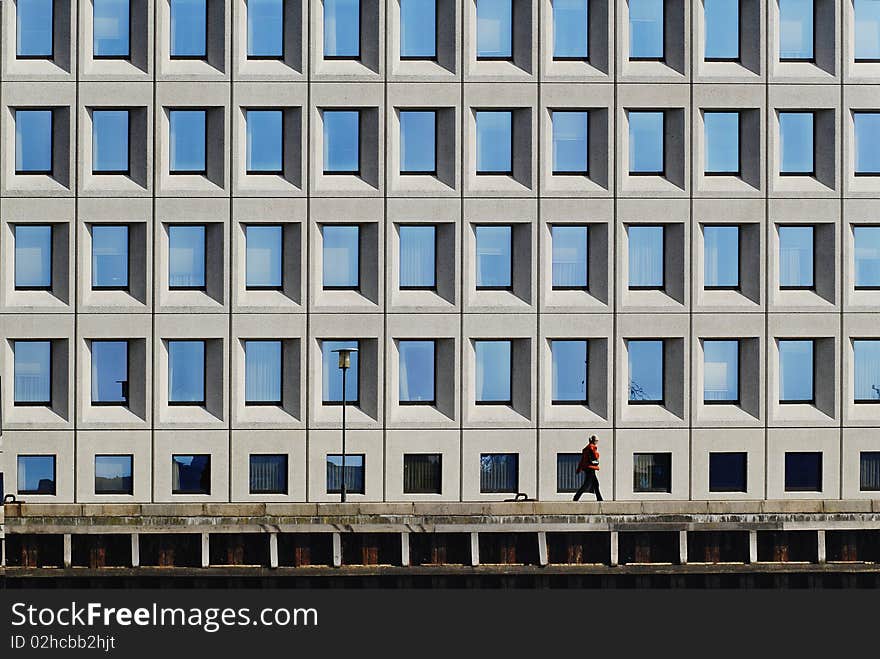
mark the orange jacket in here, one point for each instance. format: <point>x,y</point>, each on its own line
<point>589,459</point>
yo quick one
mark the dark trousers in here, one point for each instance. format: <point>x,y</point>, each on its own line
<point>591,484</point>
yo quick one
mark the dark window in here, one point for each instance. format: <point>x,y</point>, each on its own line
<point>36,474</point>
<point>499,472</point>
<point>869,471</point>
<point>354,474</point>
<point>268,474</point>
<point>422,473</point>
<point>567,478</point>
<point>652,472</point>
<point>190,474</point>
<point>113,474</point>
<point>727,472</point>
<point>803,471</point>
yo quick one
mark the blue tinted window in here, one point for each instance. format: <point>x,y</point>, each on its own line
<point>795,256</point>
<point>341,141</point>
<point>187,138</point>
<point>186,256</point>
<point>263,256</point>
<point>494,145</point>
<point>417,137</point>
<point>499,472</point>
<point>33,256</point>
<point>416,371</point>
<point>722,142</point>
<point>571,29</point>
<point>109,372</point>
<point>867,134</point>
<point>493,371</point>
<point>341,255</point>
<point>34,28</point>
<point>494,256</point>
<point>417,256</point>
<point>645,370</point>
<point>265,25</point>
<point>796,142</point>
<point>36,474</point>
<point>803,471</point>
<point>570,249</point>
<point>722,29</point>
<point>646,142</point>
<point>332,374</point>
<point>189,26</point>
<point>264,142</point>
<point>33,372</point>
<point>570,140</point>
<point>795,29</point>
<point>418,29</point>
<point>262,372</point>
<point>111,28</point>
<point>354,474</point>
<point>113,474</point>
<point>109,141</point>
<point>190,474</point>
<point>342,28</point>
<point>795,371</point>
<point>867,256</point>
<point>109,256</point>
<point>33,141</point>
<point>268,474</point>
<point>646,29</point>
<point>867,29</point>
<point>866,354</point>
<point>494,29</point>
<point>727,472</point>
<point>652,472</point>
<point>721,371</point>
<point>646,256</point>
<point>569,371</point>
<point>186,372</point>
<point>720,256</point>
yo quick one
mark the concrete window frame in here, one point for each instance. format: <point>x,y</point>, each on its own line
<point>58,181</point>
<point>138,64</point>
<point>134,413</point>
<point>447,46</point>
<point>290,66</point>
<point>137,180</point>
<point>64,40</point>
<point>598,65</point>
<point>750,63</point>
<point>522,64</point>
<point>215,63</point>
<point>825,63</point>
<point>369,64</point>
<point>676,48</point>
<point>58,413</point>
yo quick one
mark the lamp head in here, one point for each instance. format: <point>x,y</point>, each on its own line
<point>345,356</point>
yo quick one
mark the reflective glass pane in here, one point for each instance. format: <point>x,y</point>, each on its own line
<point>332,374</point>
<point>34,28</point>
<point>354,473</point>
<point>866,354</point>
<point>268,474</point>
<point>494,145</point>
<point>187,141</point>
<point>645,370</point>
<point>33,372</point>
<point>867,29</point>
<point>803,471</point>
<point>795,29</point>
<point>186,256</point>
<point>721,371</point>
<point>265,141</point>
<point>499,472</point>
<point>727,472</point>
<point>493,374</point>
<point>722,29</point>
<point>341,152</point>
<point>722,142</point>
<point>867,256</point>
<point>494,28</point>
<point>569,371</point>
<point>111,28</point>
<point>571,29</point>
<point>416,371</point>
<point>342,28</point>
<point>33,141</point>
<point>646,142</point>
<point>109,371</point>
<point>418,29</point>
<point>494,256</point>
<point>265,25</point>
<point>422,473</point>
<point>33,256</point>
<point>646,29</point>
<point>795,256</point>
<point>263,255</point>
<point>109,141</point>
<point>570,131</point>
<point>113,474</point>
<point>867,134</point>
<point>189,26</point>
<point>36,474</point>
<point>720,256</point>
<point>417,256</point>
<point>262,372</point>
<point>570,245</point>
<point>795,371</point>
<point>417,137</point>
<point>190,474</point>
<point>341,255</point>
<point>646,256</point>
<point>796,142</point>
<point>186,371</point>
<point>109,256</point>
<point>652,472</point>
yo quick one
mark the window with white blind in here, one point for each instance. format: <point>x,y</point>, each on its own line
<point>499,472</point>
<point>869,471</point>
<point>567,478</point>
<point>268,474</point>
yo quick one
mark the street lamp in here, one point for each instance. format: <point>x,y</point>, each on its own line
<point>344,364</point>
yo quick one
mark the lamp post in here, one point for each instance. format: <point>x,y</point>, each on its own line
<point>344,365</point>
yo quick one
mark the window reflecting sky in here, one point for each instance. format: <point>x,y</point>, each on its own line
<point>416,377</point>
<point>33,256</point>
<point>264,141</point>
<point>570,130</point>
<point>33,141</point>
<point>721,370</point>
<point>795,370</point>
<point>111,28</point>
<point>646,30</point>
<point>722,142</point>
<point>646,142</point>
<point>494,255</point>
<point>418,28</point>
<point>342,27</point>
<point>720,256</point>
<point>109,141</point>
<point>645,370</point>
<point>795,29</point>
<point>263,255</point>
<point>646,256</point>
<point>722,29</point>
<point>189,23</point>
<point>493,374</point>
<point>34,28</point>
<point>569,364</point>
<point>109,255</point>
<point>796,142</point>
<point>341,136</point>
<point>341,255</point>
<point>571,29</point>
<point>417,135</point>
<point>494,145</point>
<point>187,138</point>
<point>265,26</point>
<point>186,371</point>
<point>494,28</point>
<point>331,378</point>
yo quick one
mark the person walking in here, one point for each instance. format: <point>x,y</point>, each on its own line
<point>589,464</point>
